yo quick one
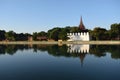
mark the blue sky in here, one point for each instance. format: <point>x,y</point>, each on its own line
<point>29,16</point>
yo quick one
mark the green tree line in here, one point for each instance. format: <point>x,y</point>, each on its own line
<point>12,36</point>
<point>57,33</point>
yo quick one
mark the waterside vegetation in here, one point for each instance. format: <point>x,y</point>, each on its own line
<point>58,33</point>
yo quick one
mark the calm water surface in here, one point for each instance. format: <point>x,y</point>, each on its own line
<point>66,62</point>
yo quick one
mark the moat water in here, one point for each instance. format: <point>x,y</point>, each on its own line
<point>63,62</point>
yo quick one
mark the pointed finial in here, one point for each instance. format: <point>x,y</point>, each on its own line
<point>81,26</point>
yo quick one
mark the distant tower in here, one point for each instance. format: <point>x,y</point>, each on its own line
<point>81,26</point>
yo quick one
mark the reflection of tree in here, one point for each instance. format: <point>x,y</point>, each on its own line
<point>40,47</point>
<point>11,49</point>
<point>58,50</point>
<point>98,50</point>
<point>115,51</point>
<point>55,50</point>
<point>2,49</point>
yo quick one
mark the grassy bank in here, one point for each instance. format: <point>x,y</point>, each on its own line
<point>62,42</point>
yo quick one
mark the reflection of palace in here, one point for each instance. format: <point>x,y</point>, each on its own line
<point>82,50</point>
<point>76,48</point>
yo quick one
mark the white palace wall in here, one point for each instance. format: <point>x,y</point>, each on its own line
<point>82,36</point>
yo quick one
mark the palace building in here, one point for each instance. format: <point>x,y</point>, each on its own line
<point>83,35</point>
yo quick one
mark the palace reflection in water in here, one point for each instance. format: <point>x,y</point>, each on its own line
<point>76,48</point>
<point>53,62</point>
<point>71,50</point>
<point>82,50</point>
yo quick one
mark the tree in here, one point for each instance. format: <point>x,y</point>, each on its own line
<point>115,31</point>
<point>42,33</point>
<point>10,35</point>
<point>21,37</point>
<point>53,33</point>
<point>2,35</point>
<point>63,34</point>
<point>35,36</point>
<point>99,33</point>
<point>74,29</point>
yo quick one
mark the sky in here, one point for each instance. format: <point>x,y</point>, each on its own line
<point>30,16</point>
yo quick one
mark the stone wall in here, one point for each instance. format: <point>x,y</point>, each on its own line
<point>83,36</point>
